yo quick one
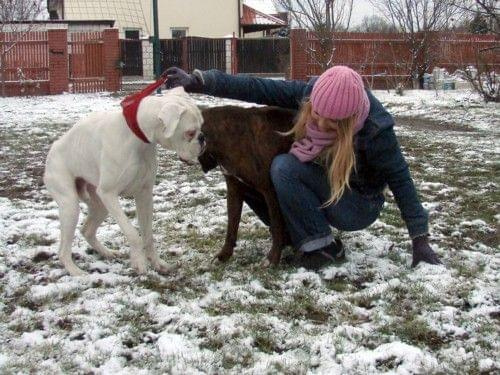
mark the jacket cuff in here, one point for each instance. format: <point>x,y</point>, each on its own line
<point>417,230</point>
<point>199,75</point>
<point>207,79</point>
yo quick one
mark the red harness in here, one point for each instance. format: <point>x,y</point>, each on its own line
<point>130,106</point>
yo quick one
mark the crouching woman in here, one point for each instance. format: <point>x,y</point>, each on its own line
<point>344,155</point>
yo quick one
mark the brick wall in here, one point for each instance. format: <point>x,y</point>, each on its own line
<point>298,54</point>
<point>111,59</point>
<point>58,61</point>
<point>56,65</point>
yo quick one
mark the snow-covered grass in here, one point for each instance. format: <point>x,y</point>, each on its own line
<point>371,314</point>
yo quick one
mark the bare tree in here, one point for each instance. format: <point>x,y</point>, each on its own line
<point>16,18</point>
<point>486,9</point>
<point>375,24</point>
<point>491,10</point>
<point>483,77</point>
<point>418,20</point>
<point>482,73</point>
<point>323,17</point>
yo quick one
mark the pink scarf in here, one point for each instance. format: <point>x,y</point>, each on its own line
<point>309,147</point>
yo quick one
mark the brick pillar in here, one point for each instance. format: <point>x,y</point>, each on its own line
<point>185,54</point>
<point>58,61</point>
<point>234,55</point>
<point>298,54</point>
<point>111,51</point>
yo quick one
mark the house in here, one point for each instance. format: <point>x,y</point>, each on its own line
<point>177,18</point>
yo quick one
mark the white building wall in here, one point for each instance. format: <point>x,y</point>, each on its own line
<point>206,18</point>
<point>127,14</point>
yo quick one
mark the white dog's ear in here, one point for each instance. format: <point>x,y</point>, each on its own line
<point>170,115</point>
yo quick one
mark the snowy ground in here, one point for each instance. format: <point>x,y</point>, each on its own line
<point>371,314</point>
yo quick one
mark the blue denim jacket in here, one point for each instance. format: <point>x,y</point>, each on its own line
<point>379,161</point>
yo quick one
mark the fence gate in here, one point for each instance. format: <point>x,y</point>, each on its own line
<point>131,50</point>
<point>86,62</point>
<point>170,53</point>
<point>271,55</point>
<point>204,53</point>
<point>193,53</point>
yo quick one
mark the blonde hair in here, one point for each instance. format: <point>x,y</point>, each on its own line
<point>339,156</point>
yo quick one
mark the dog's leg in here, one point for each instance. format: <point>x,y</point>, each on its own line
<point>112,204</point>
<point>144,205</point>
<point>97,214</point>
<point>277,228</point>
<point>234,207</point>
<point>63,190</point>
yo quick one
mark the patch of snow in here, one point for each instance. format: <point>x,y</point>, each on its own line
<point>404,358</point>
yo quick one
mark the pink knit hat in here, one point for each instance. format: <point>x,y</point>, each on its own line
<point>339,93</point>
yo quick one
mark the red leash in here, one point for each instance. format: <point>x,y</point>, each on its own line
<point>131,103</point>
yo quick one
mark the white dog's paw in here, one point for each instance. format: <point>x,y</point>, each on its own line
<point>74,271</point>
<point>139,263</point>
<point>162,267</point>
<point>107,253</point>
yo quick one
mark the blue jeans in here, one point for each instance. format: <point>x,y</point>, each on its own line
<point>302,188</point>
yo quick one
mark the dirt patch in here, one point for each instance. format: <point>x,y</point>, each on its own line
<point>418,123</point>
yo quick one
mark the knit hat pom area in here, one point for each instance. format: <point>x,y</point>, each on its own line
<point>339,93</point>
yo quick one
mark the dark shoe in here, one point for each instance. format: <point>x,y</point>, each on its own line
<point>314,260</point>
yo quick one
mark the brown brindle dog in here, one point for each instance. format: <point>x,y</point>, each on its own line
<point>243,142</point>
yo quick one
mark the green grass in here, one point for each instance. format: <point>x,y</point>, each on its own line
<point>414,331</point>
<point>407,312</point>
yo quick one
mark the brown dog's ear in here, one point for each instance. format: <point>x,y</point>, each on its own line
<point>207,162</point>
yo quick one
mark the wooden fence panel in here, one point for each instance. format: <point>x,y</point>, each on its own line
<point>387,55</point>
<point>464,49</point>
<point>86,62</point>
<point>26,56</point>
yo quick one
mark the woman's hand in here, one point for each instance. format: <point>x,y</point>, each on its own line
<point>178,77</point>
<point>422,252</point>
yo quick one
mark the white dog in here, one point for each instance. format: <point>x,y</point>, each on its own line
<point>100,158</point>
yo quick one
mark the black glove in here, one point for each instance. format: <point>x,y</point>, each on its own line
<point>422,252</point>
<point>178,77</point>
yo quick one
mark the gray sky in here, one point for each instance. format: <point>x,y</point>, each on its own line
<point>360,9</point>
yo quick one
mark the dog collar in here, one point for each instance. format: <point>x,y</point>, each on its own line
<point>130,105</point>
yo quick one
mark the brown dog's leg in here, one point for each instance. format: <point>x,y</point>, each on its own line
<point>277,228</point>
<point>234,206</point>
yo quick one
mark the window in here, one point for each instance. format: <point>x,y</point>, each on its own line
<point>131,34</point>
<point>179,32</point>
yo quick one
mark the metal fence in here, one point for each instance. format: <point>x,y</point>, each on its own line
<point>263,55</point>
<point>131,56</point>
<point>204,53</point>
<point>193,53</point>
